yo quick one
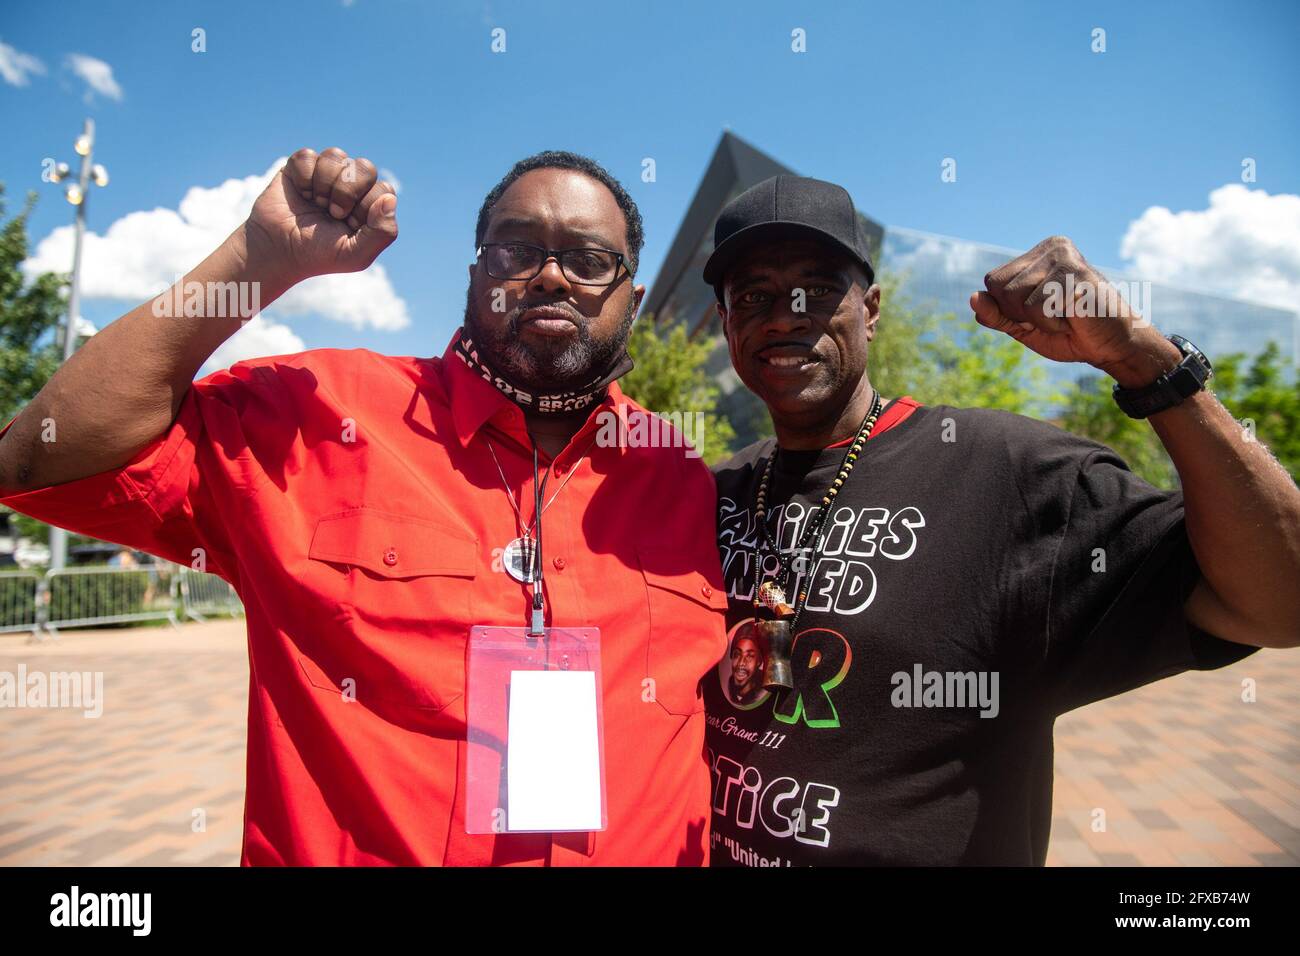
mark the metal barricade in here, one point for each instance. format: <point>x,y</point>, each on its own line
<point>19,601</point>
<point>205,595</point>
<point>88,597</point>
<point>42,603</point>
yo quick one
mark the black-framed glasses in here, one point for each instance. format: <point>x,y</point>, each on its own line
<point>522,261</point>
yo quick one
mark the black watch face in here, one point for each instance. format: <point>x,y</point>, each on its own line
<point>1187,348</point>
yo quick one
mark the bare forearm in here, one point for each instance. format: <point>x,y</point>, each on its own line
<point>320,214</point>
<point>124,386</point>
<point>1243,520</point>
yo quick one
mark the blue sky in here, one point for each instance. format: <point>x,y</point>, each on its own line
<point>1049,137</point>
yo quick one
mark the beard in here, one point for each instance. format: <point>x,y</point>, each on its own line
<point>548,365</point>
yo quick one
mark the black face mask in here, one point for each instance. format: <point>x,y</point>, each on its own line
<point>548,403</point>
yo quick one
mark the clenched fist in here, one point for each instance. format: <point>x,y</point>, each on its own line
<point>1054,302</point>
<point>322,213</point>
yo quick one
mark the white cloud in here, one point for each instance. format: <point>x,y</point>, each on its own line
<point>15,65</point>
<point>144,252</point>
<point>259,337</point>
<point>1245,245</point>
<point>387,176</point>
<point>361,299</point>
<point>97,74</point>
<point>938,255</point>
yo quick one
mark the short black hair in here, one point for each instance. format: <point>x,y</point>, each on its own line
<point>562,159</point>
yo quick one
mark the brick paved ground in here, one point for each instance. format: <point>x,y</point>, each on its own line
<point>1185,771</point>
<point>121,789</point>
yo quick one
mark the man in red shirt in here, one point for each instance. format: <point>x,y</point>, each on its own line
<point>362,506</point>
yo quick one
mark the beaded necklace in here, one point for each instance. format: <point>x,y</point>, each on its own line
<point>771,594</point>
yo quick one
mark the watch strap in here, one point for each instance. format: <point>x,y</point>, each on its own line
<point>1170,389</point>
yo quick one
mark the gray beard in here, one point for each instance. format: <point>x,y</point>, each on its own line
<point>562,367</point>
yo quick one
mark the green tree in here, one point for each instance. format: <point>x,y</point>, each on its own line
<point>670,376</point>
<point>29,321</point>
<point>29,317</point>
<point>940,358</point>
<point>895,359</point>
<point>1258,395</point>
<point>1262,400</point>
<point>1091,412</point>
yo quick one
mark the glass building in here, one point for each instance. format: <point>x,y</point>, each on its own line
<point>937,273</point>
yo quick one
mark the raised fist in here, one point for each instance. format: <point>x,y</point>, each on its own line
<point>1053,301</point>
<point>322,213</point>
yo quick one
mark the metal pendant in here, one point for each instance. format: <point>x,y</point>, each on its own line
<point>519,560</point>
<point>776,638</point>
<point>770,595</point>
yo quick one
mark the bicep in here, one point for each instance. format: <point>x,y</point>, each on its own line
<point>1204,609</point>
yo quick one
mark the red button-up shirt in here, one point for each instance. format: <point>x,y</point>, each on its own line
<point>352,501</point>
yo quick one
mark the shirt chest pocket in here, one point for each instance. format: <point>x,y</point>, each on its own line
<point>687,626</point>
<point>403,588</point>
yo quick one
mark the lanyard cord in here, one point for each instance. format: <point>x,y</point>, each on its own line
<point>533,554</point>
<point>519,518</point>
<point>539,602</point>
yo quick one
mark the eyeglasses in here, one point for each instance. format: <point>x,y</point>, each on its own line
<point>519,260</point>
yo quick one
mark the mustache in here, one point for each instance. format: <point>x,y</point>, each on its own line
<point>515,314</point>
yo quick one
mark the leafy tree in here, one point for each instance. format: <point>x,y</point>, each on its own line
<point>1261,399</point>
<point>895,360</point>
<point>29,321</point>
<point>1258,396</point>
<point>29,318</point>
<point>1090,411</point>
<point>670,376</point>
<point>939,358</point>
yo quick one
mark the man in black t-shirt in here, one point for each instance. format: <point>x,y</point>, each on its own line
<point>953,579</point>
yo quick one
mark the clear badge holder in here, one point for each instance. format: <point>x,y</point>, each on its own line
<point>535,731</point>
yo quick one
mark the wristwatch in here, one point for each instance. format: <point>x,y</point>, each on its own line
<point>1171,388</point>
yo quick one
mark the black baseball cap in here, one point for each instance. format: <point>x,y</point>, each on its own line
<point>786,207</point>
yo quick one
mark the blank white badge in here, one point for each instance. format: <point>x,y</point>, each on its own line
<point>553,752</point>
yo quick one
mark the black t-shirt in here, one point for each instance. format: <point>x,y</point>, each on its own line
<point>981,573</point>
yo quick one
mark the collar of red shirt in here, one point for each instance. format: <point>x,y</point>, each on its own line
<point>475,403</point>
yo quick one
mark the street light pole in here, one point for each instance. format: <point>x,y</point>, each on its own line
<point>76,194</point>
<point>85,145</point>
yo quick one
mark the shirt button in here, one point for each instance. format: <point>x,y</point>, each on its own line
<point>390,557</point>
<point>559,564</point>
<point>706,591</point>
